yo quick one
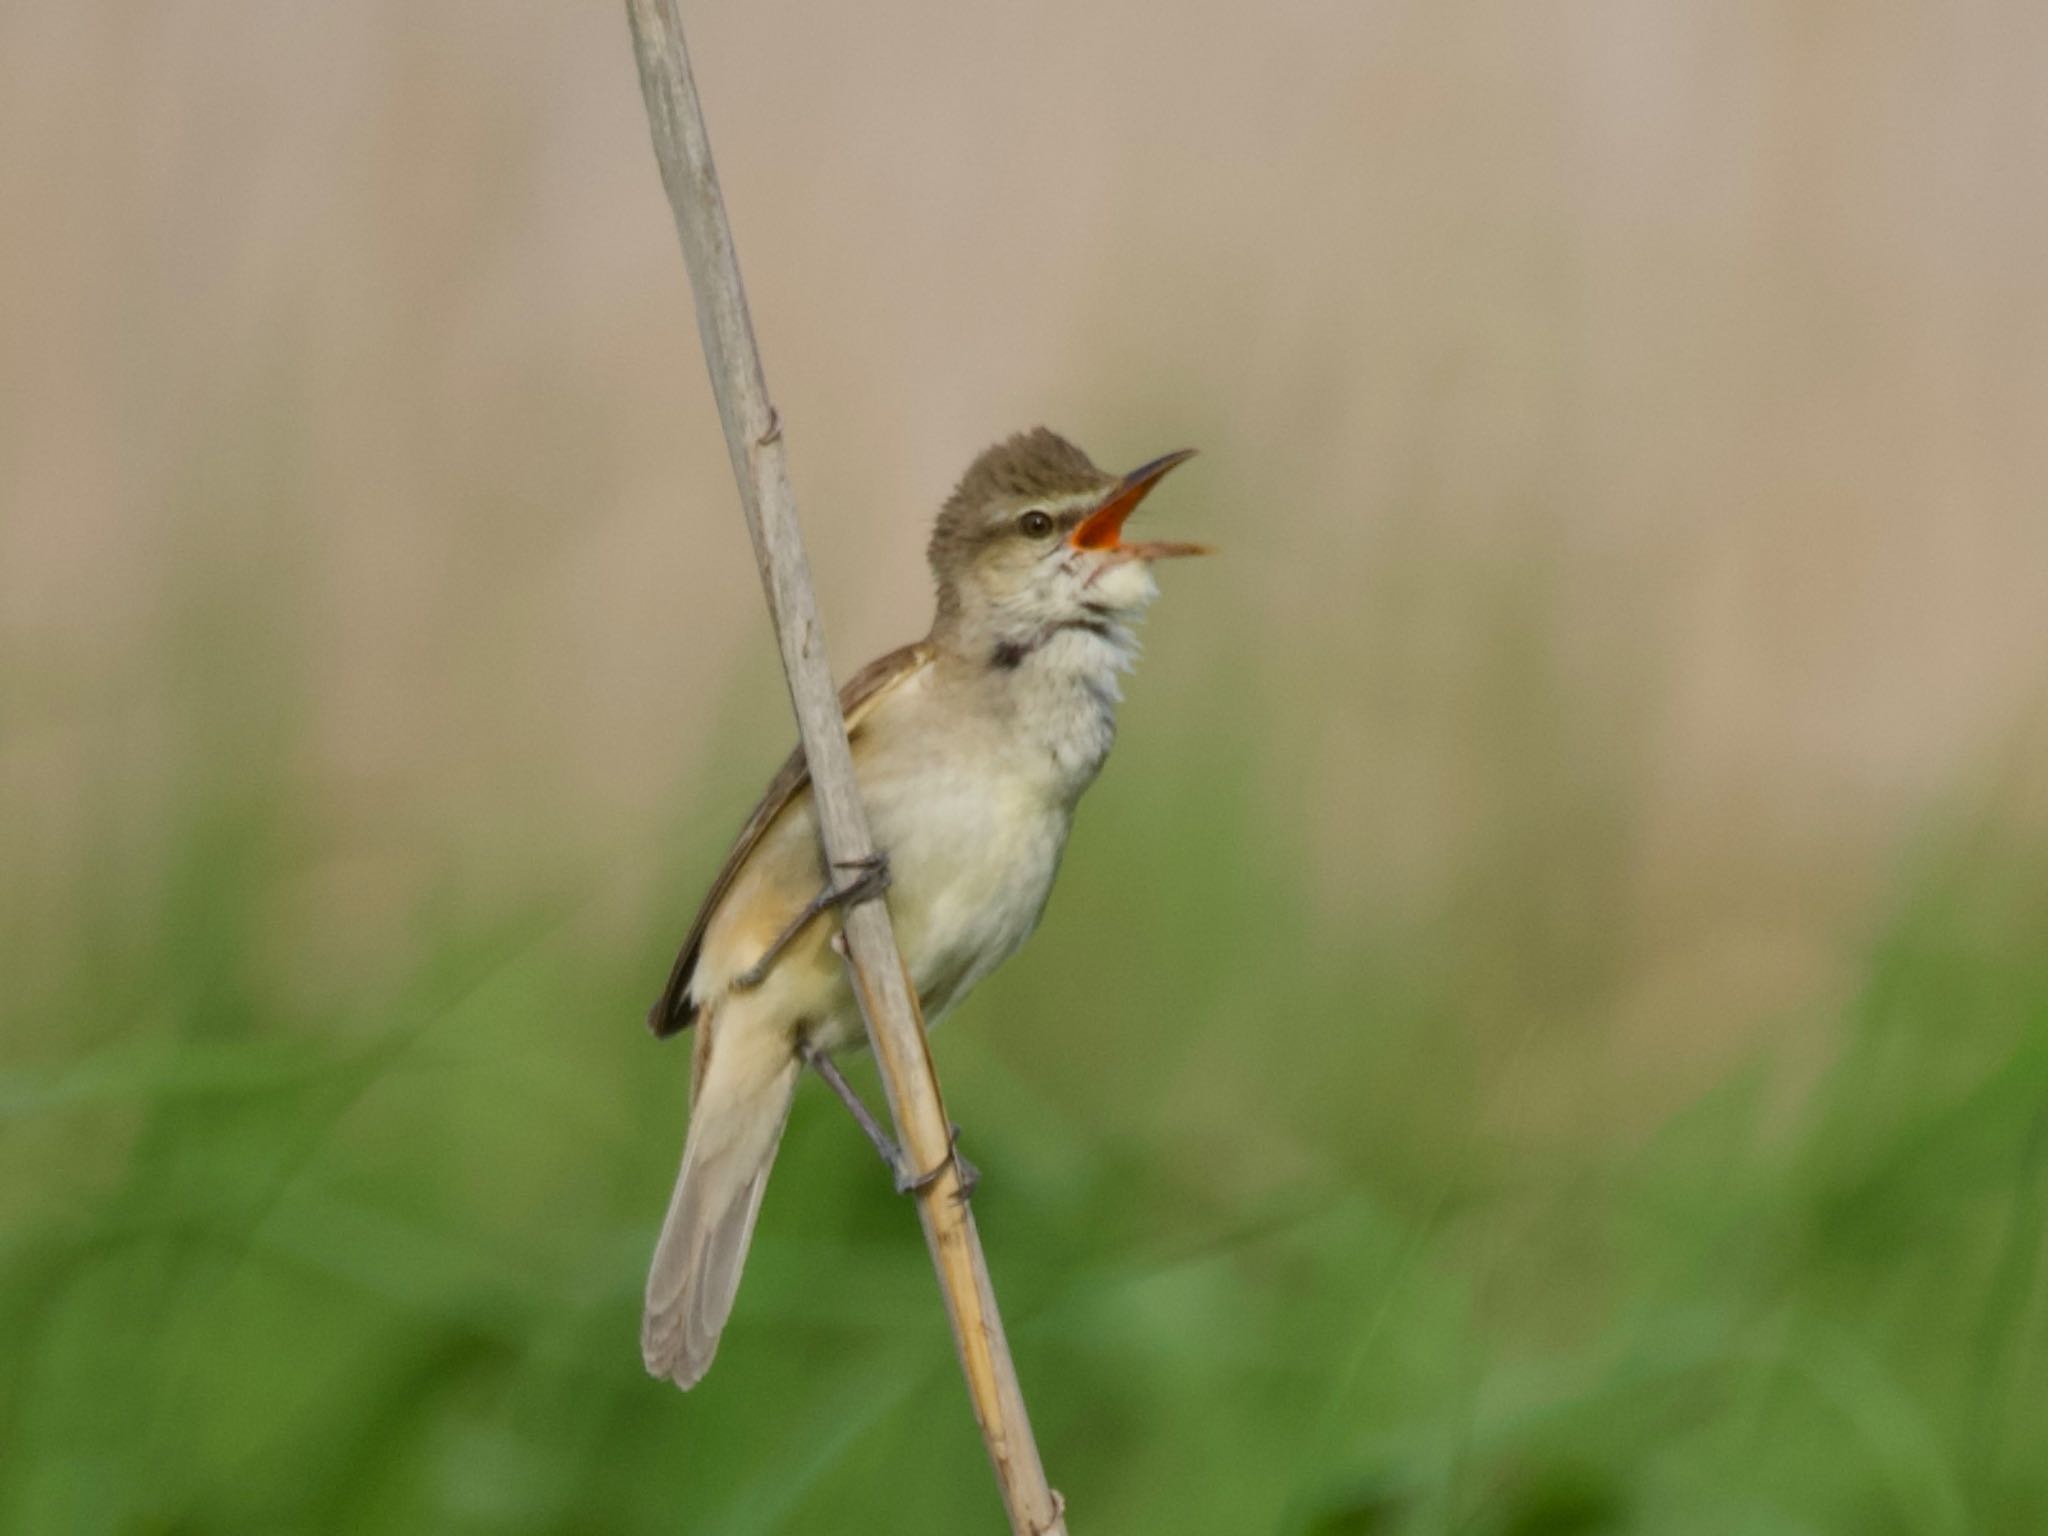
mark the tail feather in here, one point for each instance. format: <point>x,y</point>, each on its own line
<point>735,1127</point>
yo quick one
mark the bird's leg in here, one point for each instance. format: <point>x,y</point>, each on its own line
<point>892,1156</point>
<point>870,882</point>
<point>863,1117</point>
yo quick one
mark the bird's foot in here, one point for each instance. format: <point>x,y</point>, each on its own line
<point>871,878</point>
<point>908,1183</point>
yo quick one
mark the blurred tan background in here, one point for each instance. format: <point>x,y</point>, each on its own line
<point>1624,427</point>
<point>1721,330</point>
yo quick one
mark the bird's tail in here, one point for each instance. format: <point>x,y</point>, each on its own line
<point>741,1102</point>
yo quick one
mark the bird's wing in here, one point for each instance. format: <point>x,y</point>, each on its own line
<point>674,1011</point>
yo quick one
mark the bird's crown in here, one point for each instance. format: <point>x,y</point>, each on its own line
<point>1035,463</point>
<point>1031,466</point>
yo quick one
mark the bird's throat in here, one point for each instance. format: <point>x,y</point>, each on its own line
<point>1009,655</point>
<point>1055,692</point>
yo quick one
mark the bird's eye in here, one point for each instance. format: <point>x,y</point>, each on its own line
<point>1035,524</point>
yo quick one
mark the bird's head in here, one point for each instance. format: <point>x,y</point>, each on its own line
<point>1031,542</point>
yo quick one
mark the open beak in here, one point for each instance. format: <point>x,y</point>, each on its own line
<point>1103,528</point>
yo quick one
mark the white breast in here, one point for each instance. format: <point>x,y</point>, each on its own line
<point>973,866</point>
<point>972,792</point>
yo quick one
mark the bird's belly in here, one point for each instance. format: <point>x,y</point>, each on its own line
<point>973,863</point>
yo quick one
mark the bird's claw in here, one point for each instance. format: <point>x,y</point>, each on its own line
<point>908,1183</point>
<point>871,880</point>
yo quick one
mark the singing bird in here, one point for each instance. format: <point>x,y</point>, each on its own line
<point>972,748</point>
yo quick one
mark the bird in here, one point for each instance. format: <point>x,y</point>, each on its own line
<point>972,748</point>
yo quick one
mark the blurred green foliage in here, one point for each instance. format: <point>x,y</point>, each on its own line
<point>364,1256</point>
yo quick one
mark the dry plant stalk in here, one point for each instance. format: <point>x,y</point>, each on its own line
<point>753,437</point>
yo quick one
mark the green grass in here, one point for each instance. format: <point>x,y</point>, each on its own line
<point>1282,1244</point>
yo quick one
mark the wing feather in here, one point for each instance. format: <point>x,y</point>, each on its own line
<point>674,1012</point>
